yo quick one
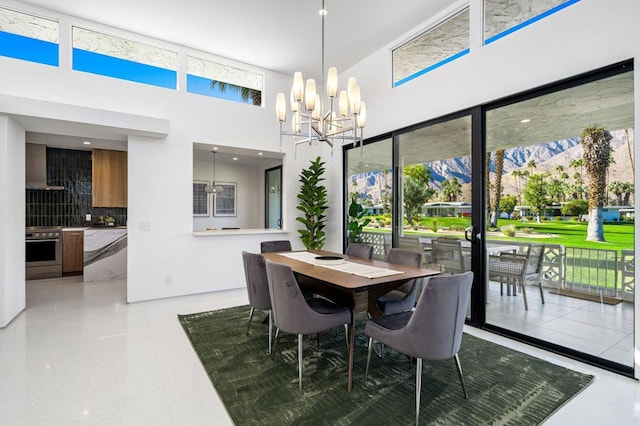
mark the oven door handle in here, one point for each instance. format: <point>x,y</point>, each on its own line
<point>40,240</point>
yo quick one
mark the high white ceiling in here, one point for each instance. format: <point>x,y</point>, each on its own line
<point>280,35</point>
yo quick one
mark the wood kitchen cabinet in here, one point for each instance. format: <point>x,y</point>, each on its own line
<point>109,178</point>
<point>72,251</point>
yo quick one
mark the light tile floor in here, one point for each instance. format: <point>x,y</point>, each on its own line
<point>80,355</point>
<point>591,327</point>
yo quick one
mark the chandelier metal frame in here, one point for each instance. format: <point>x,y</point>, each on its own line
<point>308,112</point>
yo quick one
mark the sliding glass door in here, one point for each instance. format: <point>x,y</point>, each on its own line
<point>534,193</point>
<point>560,236</point>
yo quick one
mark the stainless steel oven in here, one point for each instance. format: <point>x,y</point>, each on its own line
<point>43,253</point>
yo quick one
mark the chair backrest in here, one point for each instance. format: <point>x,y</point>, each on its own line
<point>407,258</point>
<point>447,253</point>
<point>255,274</point>
<point>275,246</point>
<point>290,310</point>
<point>535,259</point>
<point>435,328</point>
<point>364,251</point>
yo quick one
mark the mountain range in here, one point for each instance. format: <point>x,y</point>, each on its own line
<point>547,157</point>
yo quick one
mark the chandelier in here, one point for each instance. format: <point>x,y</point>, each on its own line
<point>311,120</point>
<point>213,188</point>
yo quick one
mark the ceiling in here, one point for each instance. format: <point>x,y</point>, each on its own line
<point>279,35</point>
<point>555,116</point>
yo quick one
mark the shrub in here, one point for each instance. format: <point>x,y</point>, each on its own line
<point>529,217</point>
<point>575,218</point>
<point>526,230</point>
<point>434,225</point>
<point>387,221</point>
<point>457,228</point>
<point>508,230</point>
<point>558,218</point>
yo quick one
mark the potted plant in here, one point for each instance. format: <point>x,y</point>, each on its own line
<point>313,204</point>
<point>357,221</point>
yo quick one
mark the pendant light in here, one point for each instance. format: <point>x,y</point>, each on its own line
<point>213,188</point>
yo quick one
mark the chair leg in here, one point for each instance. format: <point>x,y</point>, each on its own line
<point>346,335</point>
<point>541,292</point>
<point>366,370</point>
<point>300,361</point>
<point>524,295</point>
<point>250,316</point>
<point>275,342</point>
<point>418,387</point>
<point>270,329</point>
<point>459,367</point>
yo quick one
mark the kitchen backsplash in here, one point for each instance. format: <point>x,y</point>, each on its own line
<point>69,207</point>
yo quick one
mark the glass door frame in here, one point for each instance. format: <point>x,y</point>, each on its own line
<point>479,198</point>
<point>266,195</point>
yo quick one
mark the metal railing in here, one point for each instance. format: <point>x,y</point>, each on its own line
<point>596,271</point>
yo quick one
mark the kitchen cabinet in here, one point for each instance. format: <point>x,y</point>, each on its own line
<point>109,178</point>
<point>72,251</point>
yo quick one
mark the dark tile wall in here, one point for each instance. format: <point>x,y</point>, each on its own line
<point>71,169</point>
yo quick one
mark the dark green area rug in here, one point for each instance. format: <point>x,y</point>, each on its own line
<point>505,386</point>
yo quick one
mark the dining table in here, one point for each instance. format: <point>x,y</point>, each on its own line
<point>353,282</point>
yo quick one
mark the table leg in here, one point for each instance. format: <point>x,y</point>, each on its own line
<point>352,343</point>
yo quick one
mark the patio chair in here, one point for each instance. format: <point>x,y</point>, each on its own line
<point>447,253</point>
<point>518,270</point>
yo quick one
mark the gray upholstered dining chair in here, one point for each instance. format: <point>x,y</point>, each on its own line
<point>363,251</point>
<point>275,246</point>
<point>433,331</point>
<point>402,298</point>
<point>293,314</point>
<point>255,274</point>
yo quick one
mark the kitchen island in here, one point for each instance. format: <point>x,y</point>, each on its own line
<point>105,253</point>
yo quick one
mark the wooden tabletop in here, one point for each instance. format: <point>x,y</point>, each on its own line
<point>349,281</point>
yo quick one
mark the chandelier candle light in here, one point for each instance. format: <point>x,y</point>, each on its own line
<point>314,123</point>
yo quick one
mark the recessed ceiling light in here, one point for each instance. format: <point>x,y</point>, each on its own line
<point>86,143</point>
<point>235,158</point>
<point>323,12</point>
<point>215,148</point>
<point>259,153</point>
<point>525,120</point>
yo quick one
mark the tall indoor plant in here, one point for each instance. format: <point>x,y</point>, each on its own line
<point>313,204</point>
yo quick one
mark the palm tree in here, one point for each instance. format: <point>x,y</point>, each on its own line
<point>517,174</point>
<point>499,165</point>
<point>629,150</point>
<point>245,92</point>
<point>531,164</point>
<point>597,157</point>
<point>578,180</point>
<point>617,189</point>
<point>451,189</point>
<point>628,189</point>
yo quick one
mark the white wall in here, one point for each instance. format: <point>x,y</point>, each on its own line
<point>249,206</point>
<point>167,260</point>
<point>12,220</point>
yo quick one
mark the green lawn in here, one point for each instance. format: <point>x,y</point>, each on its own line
<point>618,236</point>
